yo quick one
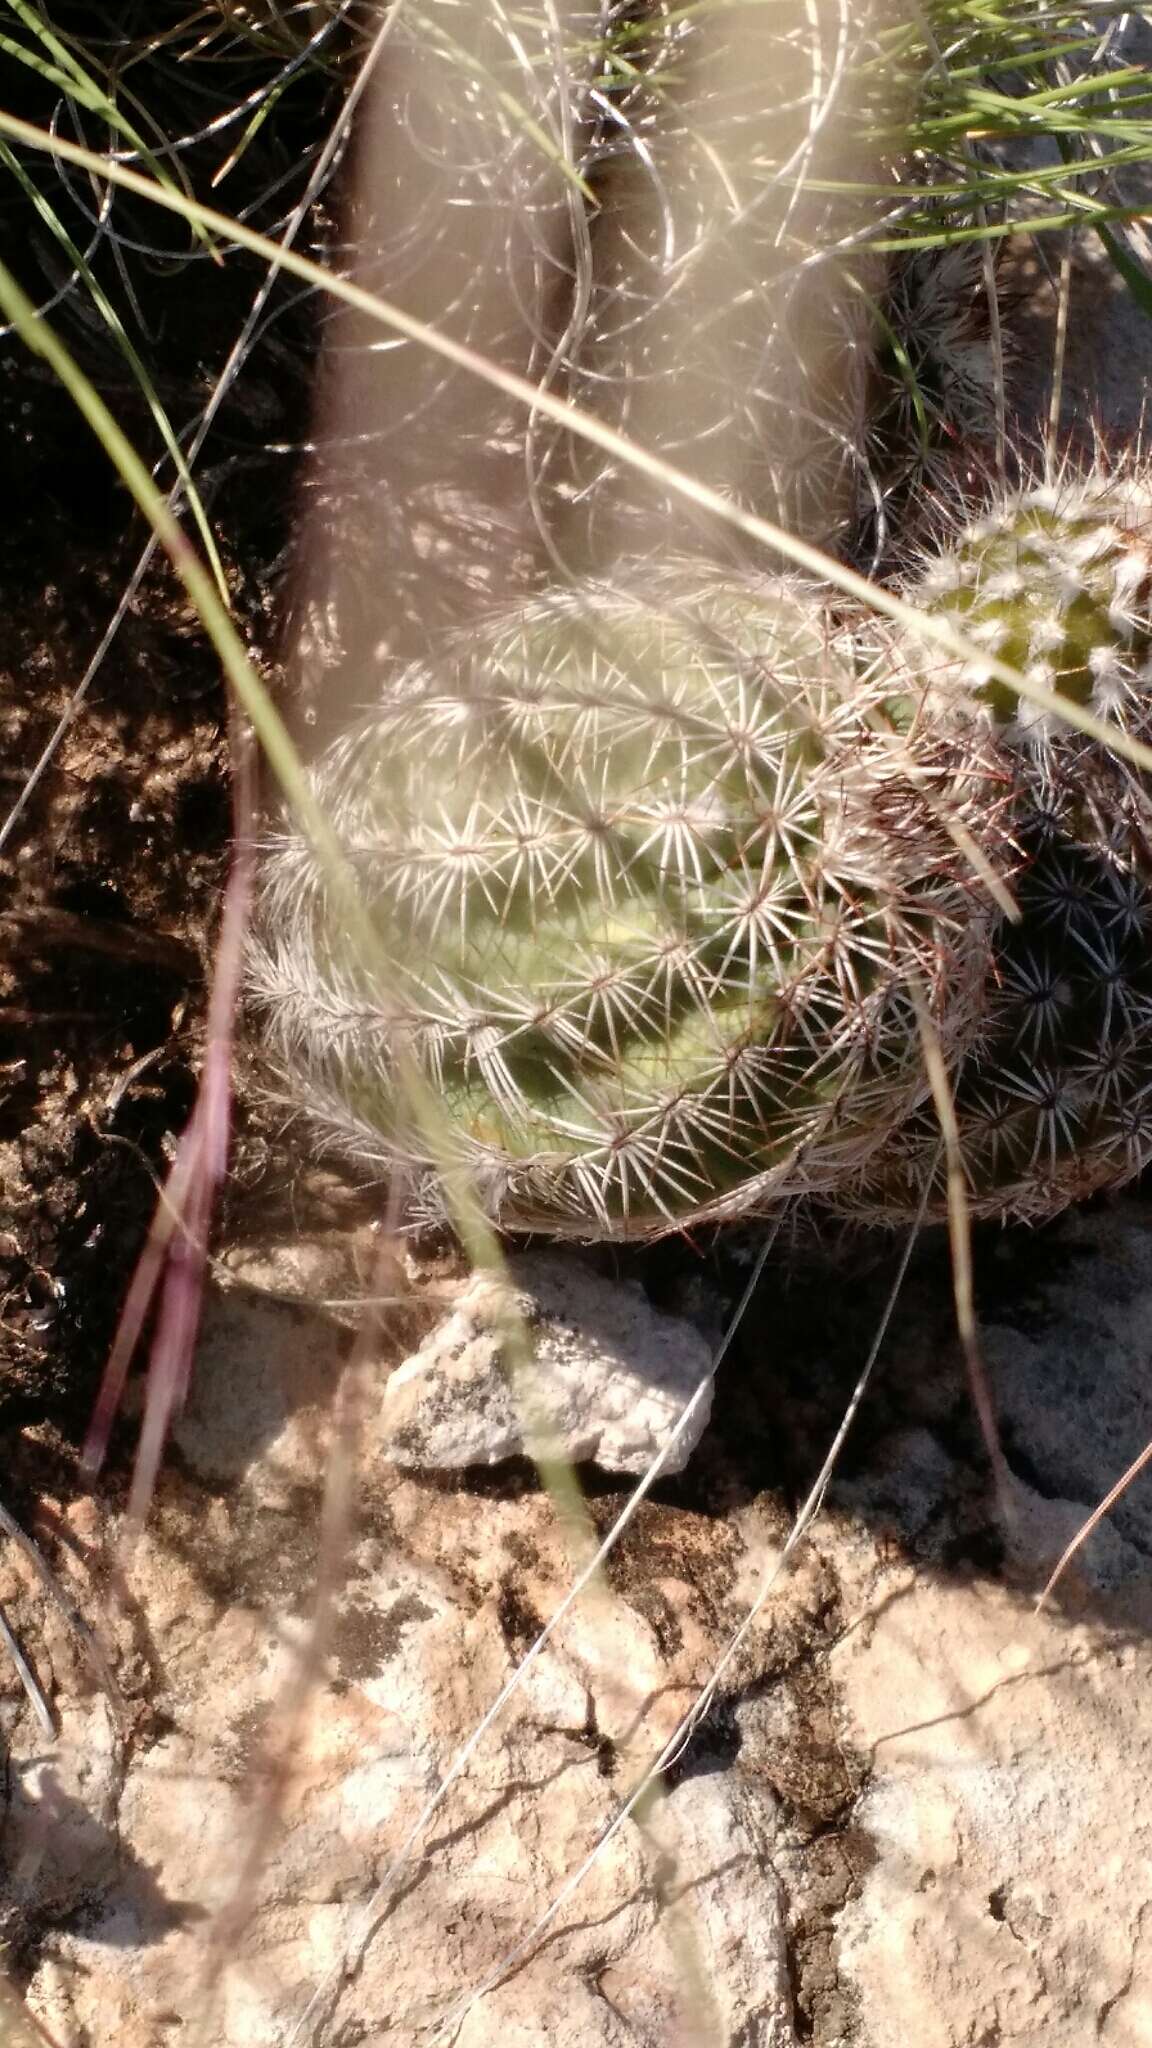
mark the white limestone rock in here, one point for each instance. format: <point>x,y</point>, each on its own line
<point>607,1381</point>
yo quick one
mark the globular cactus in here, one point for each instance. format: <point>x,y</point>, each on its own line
<point>1053,1099</point>
<point>654,902</point>
<point>657,896</point>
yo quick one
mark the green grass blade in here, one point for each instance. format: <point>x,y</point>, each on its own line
<point>124,342</point>
<point>62,69</point>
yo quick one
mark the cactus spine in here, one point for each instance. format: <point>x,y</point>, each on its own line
<point>1054,1099</point>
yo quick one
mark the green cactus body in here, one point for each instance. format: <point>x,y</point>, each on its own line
<point>647,888</point>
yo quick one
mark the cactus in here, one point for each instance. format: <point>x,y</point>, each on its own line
<point>941,359</point>
<point>1054,1098</point>
<point>1057,581</point>
<point>650,893</point>
<point>653,893</point>
<point>1054,1101</point>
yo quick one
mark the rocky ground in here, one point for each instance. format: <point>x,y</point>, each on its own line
<point>916,1808</point>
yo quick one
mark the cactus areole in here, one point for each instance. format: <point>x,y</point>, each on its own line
<point>652,900</point>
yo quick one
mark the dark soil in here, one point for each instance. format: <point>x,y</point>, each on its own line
<point>111,876</point>
<point>110,881</point>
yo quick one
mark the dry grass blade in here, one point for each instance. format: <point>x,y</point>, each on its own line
<point>322,1999</point>
<point>90,1646</point>
<point>280,1753</point>
<point>174,1262</point>
<point>18,2027</point>
<point>960,1240</point>
<point>27,1677</point>
<point>1115,1493</point>
<point>185,461</point>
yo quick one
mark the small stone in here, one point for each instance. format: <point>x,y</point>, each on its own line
<point>605,1376</point>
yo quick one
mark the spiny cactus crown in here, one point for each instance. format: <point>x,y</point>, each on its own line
<point>1056,581</point>
<point>644,882</point>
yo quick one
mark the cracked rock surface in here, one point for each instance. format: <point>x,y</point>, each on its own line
<point>918,1811</point>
